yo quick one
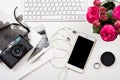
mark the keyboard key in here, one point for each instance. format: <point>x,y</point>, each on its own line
<point>30,17</point>
<point>58,8</point>
<point>26,5</point>
<point>51,13</point>
<point>25,17</point>
<point>38,0</point>
<point>34,13</point>
<point>79,8</point>
<point>56,4</point>
<point>55,13</point>
<point>68,12</point>
<point>69,4</point>
<point>49,9</point>
<point>51,0</point>
<point>39,4</point>
<point>34,17</point>
<point>26,9</point>
<point>73,17</point>
<point>29,0</point>
<point>47,13</point>
<point>65,4</point>
<point>68,17</point>
<point>32,8</point>
<point>25,13</point>
<point>51,17</point>
<point>53,9</point>
<point>47,0</point>
<point>25,0</point>
<point>34,0</point>
<point>60,4</point>
<point>30,13</point>
<point>70,8</point>
<point>74,8</point>
<point>34,5</point>
<point>79,12</point>
<point>62,8</point>
<point>52,4</point>
<point>59,0</point>
<point>60,12</point>
<point>42,0</point>
<point>66,8</point>
<point>45,9</point>
<point>42,13</point>
<point>64,12</point>
<point>38,13</point>
<point>73,12</point>
<point>40,9</point>
<point>63,0</point>
<point>38,17</point>
<point>30,4</point>
<point>73,4</point>
<point>64,17</point>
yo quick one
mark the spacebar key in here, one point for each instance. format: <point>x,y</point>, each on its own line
<point>51,17</point>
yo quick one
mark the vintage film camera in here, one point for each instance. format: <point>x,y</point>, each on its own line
<point>15,51</point>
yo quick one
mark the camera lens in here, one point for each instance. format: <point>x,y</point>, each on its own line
<point>18,50</point>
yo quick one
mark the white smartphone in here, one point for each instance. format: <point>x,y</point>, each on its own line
<point>80,53</point>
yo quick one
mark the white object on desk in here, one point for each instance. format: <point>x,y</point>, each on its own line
<point>54,10</point>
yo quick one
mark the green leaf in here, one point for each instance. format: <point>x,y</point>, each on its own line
<point>109,15</point>
<point>96,30</point>
<point>109,5</point>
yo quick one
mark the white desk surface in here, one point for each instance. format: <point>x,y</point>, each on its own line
<point>48,72</point>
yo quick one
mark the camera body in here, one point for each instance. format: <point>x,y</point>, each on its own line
<point>15,51</point>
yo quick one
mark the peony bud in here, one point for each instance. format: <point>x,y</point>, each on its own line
<point>96,23</point>
<point>96,2</point>
<point>103,17</point>
<point>117,24</point>
<point>103,10</point>
<point>118,30</point>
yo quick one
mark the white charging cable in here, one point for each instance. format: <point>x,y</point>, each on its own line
<point>62,35</point>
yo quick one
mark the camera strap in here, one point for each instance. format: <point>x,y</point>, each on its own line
<point>6,26</point>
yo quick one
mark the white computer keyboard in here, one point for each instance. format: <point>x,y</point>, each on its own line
<point>54,10</point>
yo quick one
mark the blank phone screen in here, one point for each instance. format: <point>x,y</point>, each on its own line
<point>80,52</point>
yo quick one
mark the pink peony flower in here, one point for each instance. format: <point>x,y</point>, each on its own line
<point>108,33</point>
<point>96,2</point>
<point>103,17</point>
<point>96,23</point>
<point>116,12</point>
<point>92,14</point>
